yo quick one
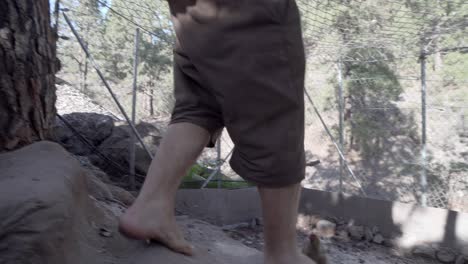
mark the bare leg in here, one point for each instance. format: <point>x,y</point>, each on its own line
<point>280,207</point>
<point>152,214</point>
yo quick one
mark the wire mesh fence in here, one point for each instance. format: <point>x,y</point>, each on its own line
<point>388,79</point>
<point>393,139</point>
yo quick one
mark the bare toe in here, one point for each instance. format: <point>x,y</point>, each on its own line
<point>180,246</point>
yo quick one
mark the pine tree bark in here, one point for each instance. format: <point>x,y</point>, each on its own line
<point>27,72</point>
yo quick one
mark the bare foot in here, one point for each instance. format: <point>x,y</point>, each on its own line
<point>153,221</point>
<point>297,259</point>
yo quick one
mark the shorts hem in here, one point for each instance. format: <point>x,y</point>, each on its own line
<point>213,130</point>
<point>268,180</point>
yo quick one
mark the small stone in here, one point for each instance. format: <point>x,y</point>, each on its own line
<point>445,256</point>
<point>378,239</point>
<point>389,243</point>
<point>325,228</point>
<point>104,232</point>
<point>368,234</point>
<point>361,245</point>
<point>375,230</point>
<point>356,232</point>
<point>304,223</point>
<point>424,251</point>
<point>342,235</point>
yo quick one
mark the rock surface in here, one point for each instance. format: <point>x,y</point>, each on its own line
<point>356,232</point>
<point>121,195</point>
<point>461,260</point>
<point>425,251</point>
<point>339,251</point>
<point>94,127</point>
<point>368,234</point>
<point>97,188</point>
<point>446,256</point>
<point>325,228</point>
<point>43,194</point>
<point>378,239</point>
<point>86,164</point>
<point>106,141</point>
<point>116,148</point>
<point>49,215</point>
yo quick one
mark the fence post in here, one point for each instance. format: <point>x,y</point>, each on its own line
<point>106,84</point>
<point>346,164</point>
<point>341,119</point>
<point>217,170</point>
<point>218,160</point>
<point>423,179</point>
<point>132,136</point>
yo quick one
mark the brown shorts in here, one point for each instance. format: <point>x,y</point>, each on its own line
<point>240,64</point>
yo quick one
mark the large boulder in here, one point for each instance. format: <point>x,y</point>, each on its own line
<point>43,206</point>
<point>116,149</point>
<point>94,128</point>
<point>89,166</point>
<point>49,215</point>
<point>106,142</point>
<point>101,187</point>
<point>52,210</point>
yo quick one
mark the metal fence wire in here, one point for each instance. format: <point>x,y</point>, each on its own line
<point>386,90</point>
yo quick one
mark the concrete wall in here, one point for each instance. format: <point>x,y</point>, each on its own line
<point>220,207</point>
<point>408,224</point>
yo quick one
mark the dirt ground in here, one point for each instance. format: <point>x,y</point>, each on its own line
<point>239,245</point>
<point>339,251</point>
<point>211,244</point>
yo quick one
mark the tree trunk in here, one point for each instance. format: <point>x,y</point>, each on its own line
<point>27,72</point>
